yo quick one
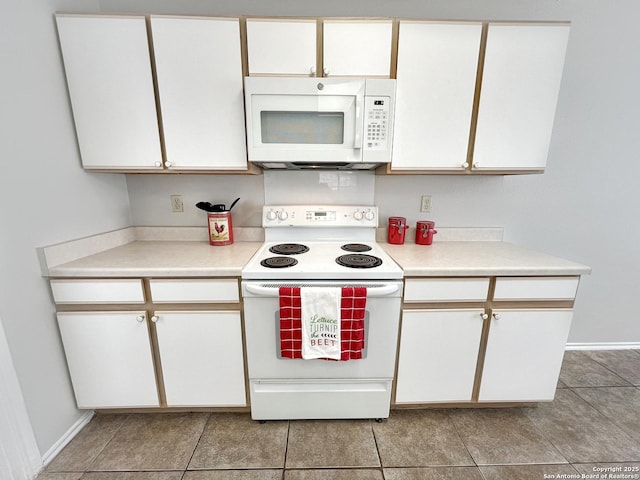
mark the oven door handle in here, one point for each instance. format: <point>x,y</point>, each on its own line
<point>264,291</point>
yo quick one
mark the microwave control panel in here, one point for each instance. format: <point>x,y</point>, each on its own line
<point>376,123</point>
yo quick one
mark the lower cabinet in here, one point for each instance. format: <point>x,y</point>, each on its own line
<point>506,348</point>
<point>201,362</point>
<point>524,354</point>
<point>438,355</point>
<point>109,358</point>
<point>163,353</point>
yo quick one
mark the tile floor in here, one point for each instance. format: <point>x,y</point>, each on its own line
<point>594,423</point>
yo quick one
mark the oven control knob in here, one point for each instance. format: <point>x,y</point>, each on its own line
<point>369,215</point>
<point>283,215</point>
<point>271,215</point>
<point>358,215</point>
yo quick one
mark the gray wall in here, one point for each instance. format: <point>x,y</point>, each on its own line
<point>583,208</point>
<point>47,198</point>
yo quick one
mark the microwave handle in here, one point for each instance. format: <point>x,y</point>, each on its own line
<point>357,137</point>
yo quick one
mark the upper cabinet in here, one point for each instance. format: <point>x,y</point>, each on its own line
<point>476,99</point>
<point>199,74</point>
<point>110,83</point>
<point>520,85</point>
<point>436,81</point>
<point>281,47</point>
<point>319,48</point>
<point>200,109</point>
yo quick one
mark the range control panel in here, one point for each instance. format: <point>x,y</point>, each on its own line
<point>319,216</point>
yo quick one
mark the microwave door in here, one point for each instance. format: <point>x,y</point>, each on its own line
<point>306,128</point>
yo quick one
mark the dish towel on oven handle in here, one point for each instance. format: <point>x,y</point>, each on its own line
<point>352,301</point>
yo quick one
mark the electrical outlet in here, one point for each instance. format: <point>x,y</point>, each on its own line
<point>176,204</point>
<point>425,204</point>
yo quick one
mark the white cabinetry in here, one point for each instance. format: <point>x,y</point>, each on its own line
<point>290,47</point>
<point>108,71</point>
<point>476,98</point>
<point>438,355</point>
<point>199,74</point>
<point>357,48</point>
<point>524,354</point>
<point>109,357</point>
<point>124,355</point>
<point>436,79</point>
<point>281,47</point>
<point>520,84</point>
<point>475,340</point>
<point>201,362</point>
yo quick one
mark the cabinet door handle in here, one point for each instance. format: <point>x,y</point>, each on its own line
<point>168,164</point>
<point>325,72</point>
<point>158,163</point>
<point>140,318</point>
<point>312,71</point>
<point>496,316</point>
<point>484,316</point>
<point>465,165</point>
<point>155,318</point>
<point>476,165</point>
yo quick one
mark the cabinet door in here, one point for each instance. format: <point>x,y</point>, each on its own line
<point>524,354</point>
<point>357,48</point>
<point>438,355</point>
<point>284,47</point>
<point>109,359</point>
<point>202,358</point>
<point>520,84</point>
<point>199,74</point>
<point>108,71</point>
<point>436,78</point>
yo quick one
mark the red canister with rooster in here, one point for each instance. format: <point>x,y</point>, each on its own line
<point>220,228</point>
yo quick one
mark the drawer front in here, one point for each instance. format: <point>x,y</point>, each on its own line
<point>418,290</point>
<point>195,291</point>
<point>97,291</point>
<point>536,288</point>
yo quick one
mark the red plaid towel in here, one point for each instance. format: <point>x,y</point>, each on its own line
<point>352,310</point>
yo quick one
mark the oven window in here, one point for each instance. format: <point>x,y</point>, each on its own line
<point>317,128</point>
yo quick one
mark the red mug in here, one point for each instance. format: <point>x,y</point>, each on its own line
<point>425,231</point>
<point>396,230</point>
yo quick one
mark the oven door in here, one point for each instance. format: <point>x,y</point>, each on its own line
<point>304,119</point>
<point>261,307</point>
<point>282,388</point>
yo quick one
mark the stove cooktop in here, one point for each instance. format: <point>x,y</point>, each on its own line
<point>321,260</point>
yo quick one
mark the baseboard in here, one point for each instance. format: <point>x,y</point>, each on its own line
<point>67,437</point>
<point>603,346</point>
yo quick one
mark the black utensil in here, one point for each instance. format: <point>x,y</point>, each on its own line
<point>234,202</point>
<point>206,206</point>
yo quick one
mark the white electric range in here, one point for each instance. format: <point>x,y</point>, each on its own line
<point>320,245</point>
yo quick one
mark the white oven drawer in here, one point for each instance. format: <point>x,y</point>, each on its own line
<point>315,399</point>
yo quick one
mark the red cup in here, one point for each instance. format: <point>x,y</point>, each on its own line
<point>396,230</point>
<point>425,231</point>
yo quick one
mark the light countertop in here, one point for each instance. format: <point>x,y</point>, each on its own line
<point>162,259</point>
<point>478,259</point>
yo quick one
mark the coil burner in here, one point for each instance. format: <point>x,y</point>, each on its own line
<point>359,261</point>
<point>278,262</point>
<point>288,249</point>
<point>355,247</point>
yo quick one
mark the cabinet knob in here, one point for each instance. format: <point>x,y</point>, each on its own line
<point>484,316</point>
<point>140,318</point>
<point>325,72</point>
<point>168,163</point>
<point>496,316</point>
<point>155,318</point>
<point>312,71</point>
<point>476,165</point>
<point>158,163</point>
<point>465,165</point>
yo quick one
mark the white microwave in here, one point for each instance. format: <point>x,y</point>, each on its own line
<point>299,122</point>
